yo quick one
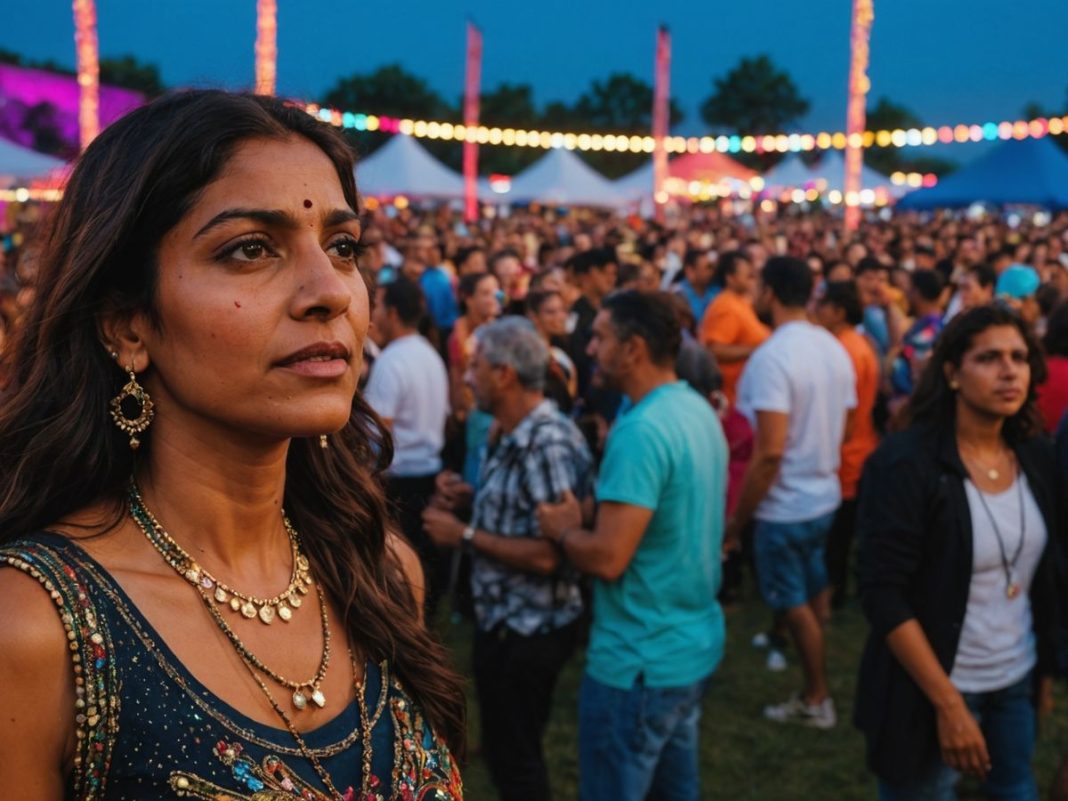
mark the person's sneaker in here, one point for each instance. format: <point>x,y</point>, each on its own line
<point>776,660</point>
<point>818,716</point>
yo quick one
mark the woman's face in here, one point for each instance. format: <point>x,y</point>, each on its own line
<point>551,318</point>
<point>994,375</point>
<point>262,310</point>
<point>486,302</point>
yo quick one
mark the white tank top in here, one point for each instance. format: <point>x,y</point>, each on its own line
<point>997,643</point>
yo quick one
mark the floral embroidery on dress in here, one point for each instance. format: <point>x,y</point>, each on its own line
<point>423,768</point>
<point>269,781</point>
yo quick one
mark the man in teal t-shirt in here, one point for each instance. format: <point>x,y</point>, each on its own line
<point>658,630</point>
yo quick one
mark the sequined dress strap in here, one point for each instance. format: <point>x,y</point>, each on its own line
<point>96,682</point>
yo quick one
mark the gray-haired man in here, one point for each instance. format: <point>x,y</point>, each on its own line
<point>527,606</point>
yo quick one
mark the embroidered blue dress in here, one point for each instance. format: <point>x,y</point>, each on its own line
<point>148,730</point>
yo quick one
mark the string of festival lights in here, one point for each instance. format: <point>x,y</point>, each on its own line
<point>735,143</point>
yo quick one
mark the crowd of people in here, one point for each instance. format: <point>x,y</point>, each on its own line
<point>807,349</point>
<point>583,430</point>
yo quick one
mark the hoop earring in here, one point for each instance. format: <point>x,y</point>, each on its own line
<point>132,409</point>
<point>323,442</point>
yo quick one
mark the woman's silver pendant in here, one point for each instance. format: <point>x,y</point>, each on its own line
<point>1012,591</point>
<point>993,475</point>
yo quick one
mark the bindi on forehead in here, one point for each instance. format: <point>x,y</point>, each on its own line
<point>307,203</point>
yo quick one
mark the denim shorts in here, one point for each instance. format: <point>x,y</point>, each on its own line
<point>790,560</point>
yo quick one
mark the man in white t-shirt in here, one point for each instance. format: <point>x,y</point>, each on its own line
<point>797,390</point>
<point>409,389</point>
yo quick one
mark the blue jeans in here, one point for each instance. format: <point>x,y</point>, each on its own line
<point>639,744</point>
<point>1007,720</point>
<point>790,562</point>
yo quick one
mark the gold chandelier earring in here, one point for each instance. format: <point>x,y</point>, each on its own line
<point>132,409</point>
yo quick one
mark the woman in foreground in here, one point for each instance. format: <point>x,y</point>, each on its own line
<point>205,601</point>
<point>960,523</point>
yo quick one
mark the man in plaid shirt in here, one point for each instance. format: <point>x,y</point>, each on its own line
<point>527,601</point>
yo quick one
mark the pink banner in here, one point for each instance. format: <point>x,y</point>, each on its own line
<point>88,59</point>
<point>266,46</point>
<point>859,39</point>
<point>472,90</point>
<point>661,118</point>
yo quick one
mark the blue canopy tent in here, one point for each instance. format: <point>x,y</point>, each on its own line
<point>1031,172</point>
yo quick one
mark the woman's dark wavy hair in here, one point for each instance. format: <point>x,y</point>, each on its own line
<point>933,402</point>
<point>60,452</point>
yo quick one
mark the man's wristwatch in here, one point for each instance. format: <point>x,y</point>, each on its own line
<point>468,535</point>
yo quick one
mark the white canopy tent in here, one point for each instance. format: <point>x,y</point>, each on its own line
<point>637,184</point>
<point>831,168</point>
<point>562,178</point>
<point>20,163</point>
<point>402,166</point>
<point>790,173</point>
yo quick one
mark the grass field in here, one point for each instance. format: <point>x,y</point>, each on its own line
<point>744,757</point>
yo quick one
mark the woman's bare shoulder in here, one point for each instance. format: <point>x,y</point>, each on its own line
<point>35,662</point>
<point>410,566</point>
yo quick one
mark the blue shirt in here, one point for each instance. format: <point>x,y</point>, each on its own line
<point>660,619</point>
<point>440,298</point>
<point>698,303</point>
<point>877,329</point>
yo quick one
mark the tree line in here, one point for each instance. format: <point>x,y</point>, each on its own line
<point>754,96</point>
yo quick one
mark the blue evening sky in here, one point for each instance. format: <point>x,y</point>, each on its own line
<point>949,60</point>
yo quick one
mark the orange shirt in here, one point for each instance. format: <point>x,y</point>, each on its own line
<point>862,438</point>
<point>730,320</point>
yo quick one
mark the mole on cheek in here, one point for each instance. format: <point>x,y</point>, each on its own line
<point>237,304</point>
<point>307,204</point>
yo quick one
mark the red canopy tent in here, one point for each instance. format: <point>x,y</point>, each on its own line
<point>708,167</point>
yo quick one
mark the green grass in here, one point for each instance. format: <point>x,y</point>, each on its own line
<point>742,755</point>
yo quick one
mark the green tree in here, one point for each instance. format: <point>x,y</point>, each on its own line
<point>509,105</point>
<point>43,123</point>
<point>621,103</point>
<point>391,91</point>
<point>886,115</point>
<point>1034,110</point>
<point>129,73</point>
<point>755,97</point>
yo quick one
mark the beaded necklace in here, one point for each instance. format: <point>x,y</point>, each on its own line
<point>302,691</point>
<point>282,605</point>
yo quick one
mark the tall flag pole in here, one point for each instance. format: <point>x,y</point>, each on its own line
<point>88,60</point>
<point>266,46</point>
<point>859,39</point>
<point>472,90</point>
<point>661,100</point>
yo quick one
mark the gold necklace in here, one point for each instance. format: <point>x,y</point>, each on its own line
<point>249,606</point>
<point>991,472</point>
<point>303,691</point>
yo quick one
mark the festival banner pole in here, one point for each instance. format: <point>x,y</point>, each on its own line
<point>88,62</point>
<point>661,100</point>
<point>266,46</point>
<point>472,89</point>
<point>859,40</point>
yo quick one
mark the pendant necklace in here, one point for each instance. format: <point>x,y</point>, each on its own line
<point>1012,588</point>
<point>304,692</point>
<point>281,606</point>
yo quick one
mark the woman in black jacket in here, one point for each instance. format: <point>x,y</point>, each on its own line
<point>958,521</point>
